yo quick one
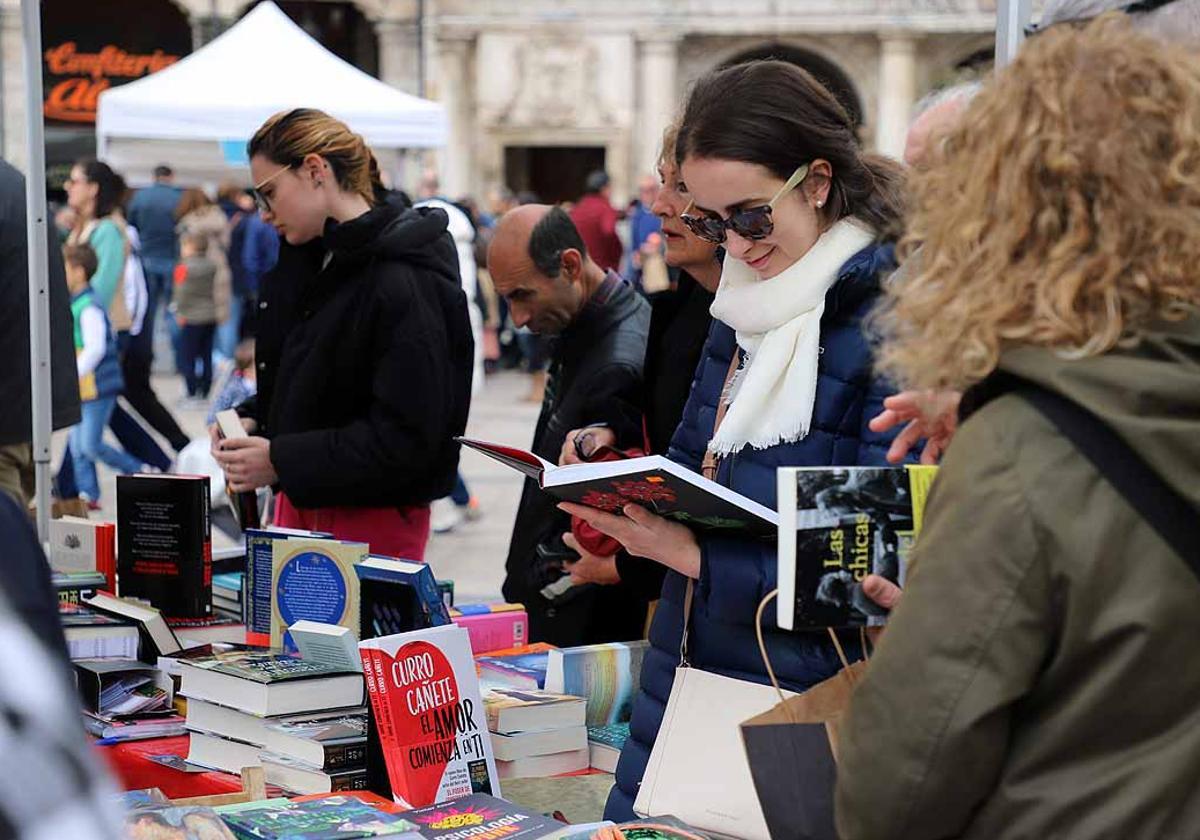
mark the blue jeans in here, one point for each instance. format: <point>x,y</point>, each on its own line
<point>87,445</point>
<point>159,279</point>
<point>460,495</point>
<point>228,332</point>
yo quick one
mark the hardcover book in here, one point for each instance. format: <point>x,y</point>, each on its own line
<point>75,587</point>
<point>430,718</point>
<point>268,683</point>
<point>398,596</point>
<point>243,504</point>
<point>314,580</point>
<point>480,815</point>
<point>298,777</point>
<point>836,526</point>
<point>322,743</point>
<point>607,675</point>
<point>157,638</point>
<point>164,541</point>
<point>664,487</point>
<point>259,551</point>
<point>323,818</point>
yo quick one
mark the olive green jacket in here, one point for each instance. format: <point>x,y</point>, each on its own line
<point>1041,676</point>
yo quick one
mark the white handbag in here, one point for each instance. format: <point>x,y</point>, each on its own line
<point>698,770</point>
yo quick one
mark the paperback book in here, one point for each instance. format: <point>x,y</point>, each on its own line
<point>429,715</point>
<point>164,541</point>
<point>493,629</point>
<point>323,818</point>
<point>512,710</point>
<point>605,744</point>
<point>838,525</point>
<point>607,675</point>
<point>314,580</point>
<point>94,635</point>
<point>178,822</point>
<point>483,816</point>
<point>664,487</point>
<point>523,667</point>
<point>84,545</point>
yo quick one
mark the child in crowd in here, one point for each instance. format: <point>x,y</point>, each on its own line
<point>239,386</point>
<point>99,378</point>
<point>196,310</point>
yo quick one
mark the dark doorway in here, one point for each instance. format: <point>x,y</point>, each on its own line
<point>553,173</point>
<point>340,27</point>
<point>826,72</point>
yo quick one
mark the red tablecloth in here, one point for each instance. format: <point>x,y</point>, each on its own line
<point>130,763</point>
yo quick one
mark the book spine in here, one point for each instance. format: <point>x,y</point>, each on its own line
<point>344,756</point>
<point>258,583</point>
<point>348,781</point>
<point>494,631</point>
<point>384,725</point>
<point>206,570</point>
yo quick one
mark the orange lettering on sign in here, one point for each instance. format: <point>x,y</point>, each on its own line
<point>74,99</point>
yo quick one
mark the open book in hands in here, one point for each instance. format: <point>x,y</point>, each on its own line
<point>654,482</point>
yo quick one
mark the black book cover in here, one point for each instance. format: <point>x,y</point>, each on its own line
<point>164,543</point>
<point>838,525</point>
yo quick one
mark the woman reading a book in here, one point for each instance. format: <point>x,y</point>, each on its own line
<point>364,347</point>
<point>1051,602</point>
<point>774,172</point>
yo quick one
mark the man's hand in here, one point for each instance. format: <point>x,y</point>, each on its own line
<point>594,437</point>
<point>645,534</point>
<point>214,433</point>
<point>247,463</point>
<point>932,415</point>
<point>590,568</point>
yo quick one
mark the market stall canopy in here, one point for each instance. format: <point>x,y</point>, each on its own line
<point>198,113</point>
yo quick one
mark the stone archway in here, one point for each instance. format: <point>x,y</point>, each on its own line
<point>827,72</point>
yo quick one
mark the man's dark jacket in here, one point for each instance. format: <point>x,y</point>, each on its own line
<point>595,377</point>
<point>364,365</point>
<point>16,422</point>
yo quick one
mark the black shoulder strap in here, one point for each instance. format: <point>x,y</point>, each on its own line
<point>1163,508</point>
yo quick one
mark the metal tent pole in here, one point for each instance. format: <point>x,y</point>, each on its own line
<point>1012,16</point>
<point>36,239</point>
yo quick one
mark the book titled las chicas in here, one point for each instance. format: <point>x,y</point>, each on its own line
<point>431,722</point>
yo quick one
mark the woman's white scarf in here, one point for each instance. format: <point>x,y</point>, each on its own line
<point>778,324</point>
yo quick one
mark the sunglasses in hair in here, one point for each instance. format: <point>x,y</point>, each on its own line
<point>261,201</point>
<point>752,223</point>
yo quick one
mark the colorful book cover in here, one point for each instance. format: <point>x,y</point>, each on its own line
<point>838,525</point>
<point>259,550</point>
<point>614,735</point>
<point>321,818</point>
<point>429,714</point>
<point>495,630</point>
<point>523,667</point>
<point>314,580</point>
<point>164,542</point>
<point>178,822</point>
<point>608,675</point>
<point>481,817</point>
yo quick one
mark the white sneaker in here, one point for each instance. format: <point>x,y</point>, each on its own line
<point>444,516</point>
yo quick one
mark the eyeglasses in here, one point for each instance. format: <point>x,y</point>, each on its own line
<point>752,223</point>
<point>261,201</point>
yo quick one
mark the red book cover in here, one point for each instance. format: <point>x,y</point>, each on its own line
<point>431,722</point>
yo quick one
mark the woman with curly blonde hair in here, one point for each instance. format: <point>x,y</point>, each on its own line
<point>1032,680</point>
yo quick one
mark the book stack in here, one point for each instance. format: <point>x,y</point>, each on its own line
<point>227,594</point>
<point>94,635</point>
<point>233,690</point>
<point>536,733</point>
<point>492,627</point>
<point>83,545</point>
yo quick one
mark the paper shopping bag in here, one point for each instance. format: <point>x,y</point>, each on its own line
<point>791,752</point>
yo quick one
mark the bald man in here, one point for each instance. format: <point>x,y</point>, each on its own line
<point>936,116</point>
<point>540,265</point>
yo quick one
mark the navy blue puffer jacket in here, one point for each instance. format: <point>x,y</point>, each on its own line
<point>735,574</point>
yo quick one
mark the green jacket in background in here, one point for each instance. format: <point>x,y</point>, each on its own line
<point>1040,678</point>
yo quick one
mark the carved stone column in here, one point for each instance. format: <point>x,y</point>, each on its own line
<point>657,103</point>
<point>400,54</point>
<point>897,91</point>
<point>453,89</point>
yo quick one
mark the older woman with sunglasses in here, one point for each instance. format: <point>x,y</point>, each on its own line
<point>774,172</point>
<point>364,349</point>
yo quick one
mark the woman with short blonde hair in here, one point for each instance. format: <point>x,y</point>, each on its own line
<point>1032,682</point>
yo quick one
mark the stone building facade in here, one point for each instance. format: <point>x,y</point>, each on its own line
<point>539,91</point>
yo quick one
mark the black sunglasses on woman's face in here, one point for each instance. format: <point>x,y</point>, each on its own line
<point>752,223</point>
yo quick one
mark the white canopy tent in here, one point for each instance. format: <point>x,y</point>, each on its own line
<point>198,114</point>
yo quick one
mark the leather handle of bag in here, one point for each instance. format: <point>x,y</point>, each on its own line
<point>711,463</point>
<point>688,595</point>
